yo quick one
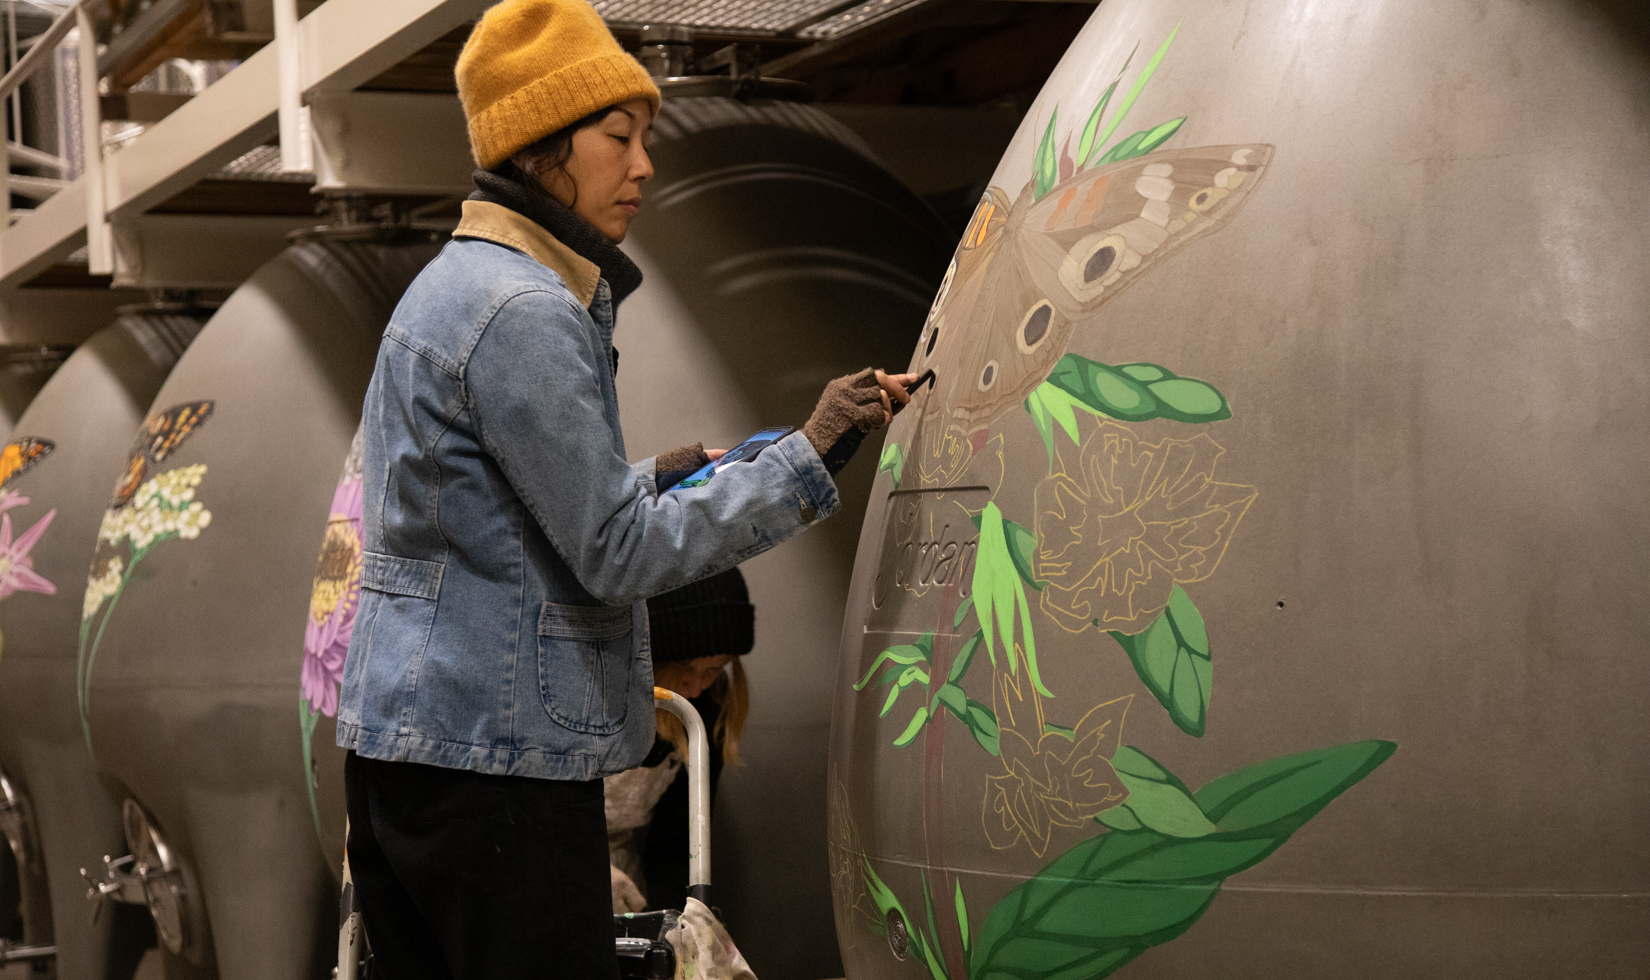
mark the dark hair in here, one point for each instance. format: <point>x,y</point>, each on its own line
<point>548,154</point>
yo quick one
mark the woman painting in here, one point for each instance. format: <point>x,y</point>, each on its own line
<point>500,666</point>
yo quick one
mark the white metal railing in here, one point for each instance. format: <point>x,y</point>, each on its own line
<point>342,45</point>
<point>39,50</point>
<point>100,259</point>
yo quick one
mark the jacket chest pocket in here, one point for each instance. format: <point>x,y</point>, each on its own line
<point>585,661</point>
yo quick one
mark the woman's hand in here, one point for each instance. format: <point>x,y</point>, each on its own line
<point>673,467</point>
<point>850,407</point>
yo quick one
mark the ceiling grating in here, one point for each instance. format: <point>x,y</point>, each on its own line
<point>854,18</point>
<point>733,16</point>
<point>813,20</point>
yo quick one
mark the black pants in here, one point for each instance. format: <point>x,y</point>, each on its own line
<point>463,876</point>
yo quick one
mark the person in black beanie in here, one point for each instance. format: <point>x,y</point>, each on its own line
<point>700,633</point>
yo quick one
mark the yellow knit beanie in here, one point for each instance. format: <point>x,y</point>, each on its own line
<point>532,67</point>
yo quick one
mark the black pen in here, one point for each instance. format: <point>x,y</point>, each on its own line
<point>927,377</point>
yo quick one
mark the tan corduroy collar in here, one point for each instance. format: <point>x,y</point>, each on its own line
<point>497,223</point>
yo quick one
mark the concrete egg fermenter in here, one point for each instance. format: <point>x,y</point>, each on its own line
<point>1299,347</point>
<point>55,479</point>
<point>200,580</point>
<point>24,369</point>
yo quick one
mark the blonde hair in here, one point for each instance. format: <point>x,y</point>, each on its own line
<point>731,692</point>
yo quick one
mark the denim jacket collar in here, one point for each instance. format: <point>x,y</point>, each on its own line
<point>497,223</point>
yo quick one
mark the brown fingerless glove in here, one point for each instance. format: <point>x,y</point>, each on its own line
<point>850,407</point>
<point>677,465</point>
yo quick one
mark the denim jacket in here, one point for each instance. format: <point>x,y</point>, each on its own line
<point>509,546</point>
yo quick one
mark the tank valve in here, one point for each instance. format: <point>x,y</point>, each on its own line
<point>150,875</point>
<point>121,883</point>
<point>14,822</point>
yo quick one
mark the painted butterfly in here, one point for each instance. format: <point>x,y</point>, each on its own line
<point>1028,272</point>
<point>21,455</point>
<point>161,435</point>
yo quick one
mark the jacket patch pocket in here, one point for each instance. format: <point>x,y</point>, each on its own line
<point>585,659</point>
<point>400,576</point>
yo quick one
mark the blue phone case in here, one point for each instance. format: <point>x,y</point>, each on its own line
<point>745,451</point>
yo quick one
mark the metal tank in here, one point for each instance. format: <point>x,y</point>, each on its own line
<point>778,255</point>
<point>24,369</point>
<point>202,572</point>
<point>55,475</point>
<point>1302,348</point>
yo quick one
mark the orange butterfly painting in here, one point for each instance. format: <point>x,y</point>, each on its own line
<point>160,437</point>
<point>21,455</point>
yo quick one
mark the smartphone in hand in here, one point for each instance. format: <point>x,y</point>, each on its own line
<point>745,451</point>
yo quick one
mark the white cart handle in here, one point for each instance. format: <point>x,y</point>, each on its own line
<point>698,766</point>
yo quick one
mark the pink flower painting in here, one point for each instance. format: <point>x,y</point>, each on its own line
<point>333,601</point>
<point>17,572</point>
<point>334,598</point>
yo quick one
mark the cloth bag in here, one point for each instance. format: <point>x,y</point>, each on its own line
<point>704,951</point>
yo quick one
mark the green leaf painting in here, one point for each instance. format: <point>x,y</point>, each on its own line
<point>1173,658</point>
<point>922,946</point>
<point>982,722</point>
<point>1127,392</point>
<point>1022,545</point>
<point>1157,800</point>
<point>893,461</point>
<point>905,654</point>
<point>1046,171</point>
<point>909,665</point>
<point>1049,405</point>
<point>1085,144</point>
<point>1138,392</point>
<point>1141,143</point>
<point>1000,593</point>
<point>1134,92</point>
<point>1114,896</point>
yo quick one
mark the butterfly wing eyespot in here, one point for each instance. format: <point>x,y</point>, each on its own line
<point>21,455</point>
<point>1034,327</point>
<point>1103,258</point>
<point>988,376</point>
<point>1097,261</point>
<point>1205,199</point>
